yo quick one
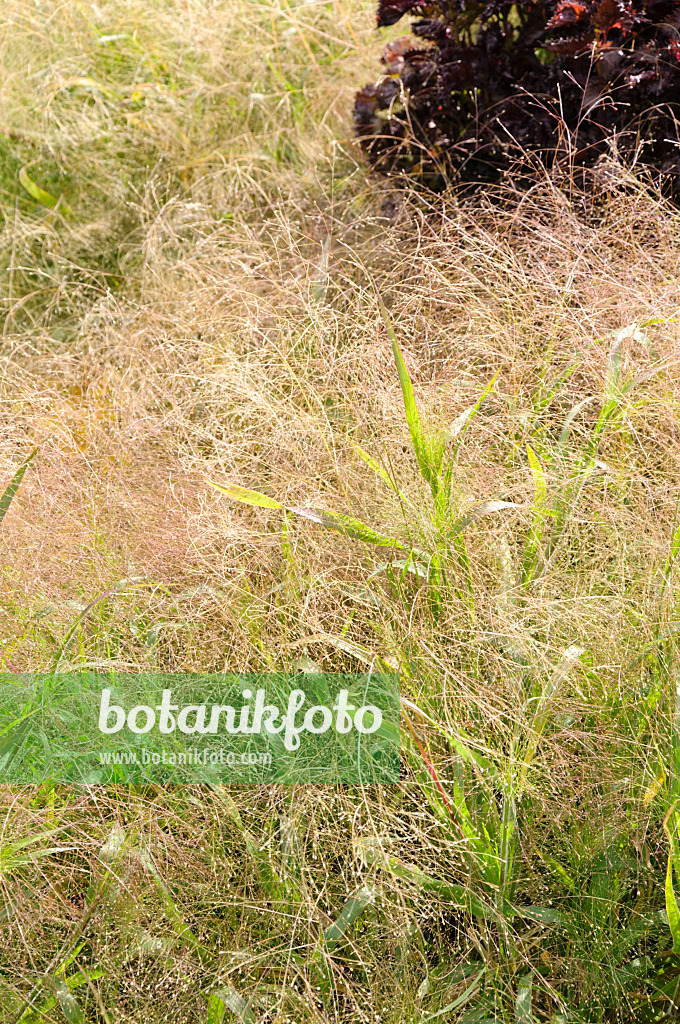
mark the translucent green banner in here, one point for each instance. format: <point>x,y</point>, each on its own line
<point>95,728</point>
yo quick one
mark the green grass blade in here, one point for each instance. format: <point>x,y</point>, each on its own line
<point>460,1001</point>
<point>478,512</point>
<point>244,495</point>
<point>672,906</point>
<point>590,450</point>
<point>675,546</point>
<point>672,909</point>
<point>232,999</point>
<point>35,191</point>
<point>410,407</point>
<point>630,936</point>
<point>538,475</point>
<point>13,485</point>
<point>460,425</point>
<point>375,466</point>
<point>569,419</point>
<point>543,915</point>
<point>21,844</point>
<point>354,907</point>
<point>466,594</point>
<point>9,861</point>
<point>486,772</point>
<point>179,925</point>
<point>454,894</point>
<point>346,525</point>
<point>558,869</point>
<point>613,372</point>
<point>409,564</point>
<point>673,553</point>
<point>569,659</point>
<point>523,1000</point>
<point>123,585</point>
<point>62,989</point>
<point>429,451</point>
<point>320,284</point>
<point>537,525</point>
<point>216,1009</point>
<point>68,1003</point>
<point>13,855</point>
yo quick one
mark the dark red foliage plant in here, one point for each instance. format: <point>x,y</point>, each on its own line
<point>480,85</point>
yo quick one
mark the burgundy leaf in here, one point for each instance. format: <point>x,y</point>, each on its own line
<point>390,11</point>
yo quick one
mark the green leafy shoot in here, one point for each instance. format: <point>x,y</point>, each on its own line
<point>346,525</point>
<point>354,907</point>
<point>429,449</point>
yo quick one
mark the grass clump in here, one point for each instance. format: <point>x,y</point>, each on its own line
<point>475,406</point>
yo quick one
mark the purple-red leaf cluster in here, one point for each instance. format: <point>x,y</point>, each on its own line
<point>477,85</point>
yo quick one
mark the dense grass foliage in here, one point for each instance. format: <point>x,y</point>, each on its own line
<point>480,402</point>
<point>562,83</point>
